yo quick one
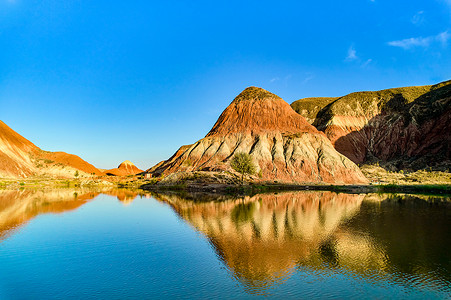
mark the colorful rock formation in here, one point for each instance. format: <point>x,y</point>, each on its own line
<point>21,158</point>
<point>283,145</point>
<point>408,128</point>
<point>124,169</point>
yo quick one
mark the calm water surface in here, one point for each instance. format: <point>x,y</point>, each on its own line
<point>118,244</point>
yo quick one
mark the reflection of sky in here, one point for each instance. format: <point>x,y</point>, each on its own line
<point>298,244</point>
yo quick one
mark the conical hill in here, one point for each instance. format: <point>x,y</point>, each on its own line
<point>283,145</point>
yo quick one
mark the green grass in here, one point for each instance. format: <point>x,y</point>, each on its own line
<point>256,94</point>
<point>310,107</point>
<point>368,103</point>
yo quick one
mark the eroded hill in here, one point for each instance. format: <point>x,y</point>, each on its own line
<point>282,144</point>
<point>403,128</point>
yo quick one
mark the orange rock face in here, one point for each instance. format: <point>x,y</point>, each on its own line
<point>124,169</point>
<point>21,158</point>
<point>283,145</point>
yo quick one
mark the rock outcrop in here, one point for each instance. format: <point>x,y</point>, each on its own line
<point>403,128</point>
<point>282,144</point>
<point>124,169</point>
<point>21,158</point>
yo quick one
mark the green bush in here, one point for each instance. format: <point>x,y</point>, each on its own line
<point>243,164</point>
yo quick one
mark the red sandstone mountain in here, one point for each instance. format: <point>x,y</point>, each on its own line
<point>21,158</point>
<point>283,145</point>
<point>124,169</point>
<point>404,128</point>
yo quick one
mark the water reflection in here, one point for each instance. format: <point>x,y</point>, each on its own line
<point>263,239</point>
<point>269,239</point>
<point>123,195</point>
<point>17,207</point>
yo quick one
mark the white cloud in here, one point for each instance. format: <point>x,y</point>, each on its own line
<point>309,77</point>
<point>424,42</point>
<point>418,18</point>
<point>366,63</point>
<point>274,79</point>
<point>443,37</point>
<point>352,54</point>
<point>412,42</point>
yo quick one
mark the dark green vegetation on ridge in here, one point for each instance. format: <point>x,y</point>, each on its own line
<point>402,128</point>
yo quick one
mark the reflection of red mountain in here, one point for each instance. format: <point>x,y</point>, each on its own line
<point>19,207</point>
<point>262,238</point>
<point>123,195</point>
<point>21,158</point>
<point>282,143</point>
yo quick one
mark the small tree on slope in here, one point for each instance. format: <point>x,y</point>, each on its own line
<point>242,163</point>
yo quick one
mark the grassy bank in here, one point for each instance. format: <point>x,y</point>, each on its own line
<point>50,183</point>
<point>252,189</point>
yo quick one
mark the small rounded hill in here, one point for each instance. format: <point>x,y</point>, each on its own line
<point>124,169</point>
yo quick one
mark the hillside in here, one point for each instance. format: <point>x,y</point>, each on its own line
<point>124,169</point>
<point>21,158</point>
<point>282,144</point>
<point>403,128</point>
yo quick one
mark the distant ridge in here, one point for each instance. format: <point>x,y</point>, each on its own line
<point>404,128</point>
<point>21,158</point>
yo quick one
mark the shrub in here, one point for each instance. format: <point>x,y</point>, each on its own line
<point>243,164</point>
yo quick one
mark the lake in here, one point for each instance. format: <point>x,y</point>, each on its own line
<point>118,244</point>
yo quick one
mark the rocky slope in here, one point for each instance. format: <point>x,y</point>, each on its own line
<point>124,169</point>
<point>21,158</point>
<point>283,145</point>
<point>403,128</point>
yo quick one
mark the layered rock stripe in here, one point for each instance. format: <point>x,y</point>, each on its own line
<point>283,145</point>
<point>124,169</point>
<point>411,125</point>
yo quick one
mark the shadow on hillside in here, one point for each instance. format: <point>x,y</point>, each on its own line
<point>409,136</point>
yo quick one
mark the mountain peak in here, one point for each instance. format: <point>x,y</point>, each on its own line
<point>255,93</point>
<point>256,110</point>
<point>125,164</point>
<point>282,144</point>
<point>124,169</point>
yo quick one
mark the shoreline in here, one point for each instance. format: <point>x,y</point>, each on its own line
<point>250,189</point>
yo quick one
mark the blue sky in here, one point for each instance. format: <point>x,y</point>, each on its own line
<point>117,80</point>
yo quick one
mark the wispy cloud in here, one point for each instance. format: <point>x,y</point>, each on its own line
<point>279,80</point>
<point>418,18</point>
<point>443,37</point>
<point>424,42</point>
<point>352,54</point>
<point>366,63</point>
<point>309,77</point>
